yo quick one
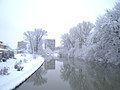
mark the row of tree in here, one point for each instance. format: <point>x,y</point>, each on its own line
<point>99,42</point>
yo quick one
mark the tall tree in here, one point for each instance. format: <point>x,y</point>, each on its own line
<point>106,38</point>
<point>76,37</point>
<point>81,32</point>
<point>38,34</point>
<point>34,39</point>
<point>30,39</point>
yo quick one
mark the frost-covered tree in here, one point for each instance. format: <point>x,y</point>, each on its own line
<point>80,33</point>
<point>34,39</point>
<point>76,37</point>
<point>38,34</point>
<point>30,39</point>
<point>66,42</point>
<point>106,38</point>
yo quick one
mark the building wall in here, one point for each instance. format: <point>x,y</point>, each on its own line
<point>22,45</point>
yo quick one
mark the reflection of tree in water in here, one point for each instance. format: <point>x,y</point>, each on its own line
<point>92,76</point>
<point>106,76</point>
<point>49,64</point>
<point>37,78</point>
<point>74,76</point>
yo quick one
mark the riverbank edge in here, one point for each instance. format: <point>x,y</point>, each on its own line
<point>26,79</point>
<point>13,85</point>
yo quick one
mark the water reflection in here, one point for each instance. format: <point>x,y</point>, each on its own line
<point>48,65</point>
<point>74,74</point>
<point>83,75</point>
<point>38,78</point>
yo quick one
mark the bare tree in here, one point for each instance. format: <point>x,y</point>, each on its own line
<point>29,38</point>
<point>34,39</point>
<point>38,33</point>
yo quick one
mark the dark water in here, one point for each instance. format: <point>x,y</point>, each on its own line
<point>74,74</point>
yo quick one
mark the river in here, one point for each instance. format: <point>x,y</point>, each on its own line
<point>73,74</point>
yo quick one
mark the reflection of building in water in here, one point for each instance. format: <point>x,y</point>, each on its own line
<point>49,64</point>
<point>50,43</point>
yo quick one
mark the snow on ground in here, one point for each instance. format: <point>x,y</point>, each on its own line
<point>15,77</point>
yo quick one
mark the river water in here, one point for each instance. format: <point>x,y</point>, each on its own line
<point>74,74</point>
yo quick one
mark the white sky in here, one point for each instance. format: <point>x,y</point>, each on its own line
<point>54,16</point>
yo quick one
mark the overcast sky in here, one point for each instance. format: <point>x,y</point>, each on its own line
<point>54,16</point>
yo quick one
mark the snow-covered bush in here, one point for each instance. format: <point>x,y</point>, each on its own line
<point>4,59</point>
<point>25,60</point>
<point>18,66</point>
<point>4,71</point>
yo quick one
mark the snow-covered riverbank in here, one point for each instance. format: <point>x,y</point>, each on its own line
<point>14,78</point>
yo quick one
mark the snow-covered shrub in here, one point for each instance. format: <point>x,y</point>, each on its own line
<point>18,66</point>
<point>4,59</point>
<point>25,60</point>
<point>4,71</point>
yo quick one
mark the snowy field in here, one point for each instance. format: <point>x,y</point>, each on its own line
<point>15,77</point>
